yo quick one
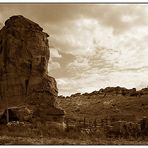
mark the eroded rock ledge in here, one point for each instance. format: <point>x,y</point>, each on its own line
<point>24,56</point>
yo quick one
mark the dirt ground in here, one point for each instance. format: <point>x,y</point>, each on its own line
<point>9,140</point>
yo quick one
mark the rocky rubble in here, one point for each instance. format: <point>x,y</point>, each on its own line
<point>24,56</point>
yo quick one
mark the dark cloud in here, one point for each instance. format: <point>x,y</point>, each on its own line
<point>109,15</point>
<point>44,13</point>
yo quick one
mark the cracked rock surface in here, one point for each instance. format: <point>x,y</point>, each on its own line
<point>24,57</point>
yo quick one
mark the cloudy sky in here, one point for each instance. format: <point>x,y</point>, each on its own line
<point>92,45</point>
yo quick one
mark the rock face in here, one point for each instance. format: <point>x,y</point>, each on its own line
<point>24,56</point>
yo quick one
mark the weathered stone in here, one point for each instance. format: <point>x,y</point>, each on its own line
<point>22,113</point>
<point>24,56</point>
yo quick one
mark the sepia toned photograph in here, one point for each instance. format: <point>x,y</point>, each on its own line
<point>73,74</point>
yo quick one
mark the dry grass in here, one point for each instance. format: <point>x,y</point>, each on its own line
<point>68,141</point>
<point>55,136</point>
<point>97,106</point>
<point>78,108</point>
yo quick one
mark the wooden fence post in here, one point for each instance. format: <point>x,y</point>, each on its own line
<point>95,123</point>
<point>84,122</point>
<point>67,125</point>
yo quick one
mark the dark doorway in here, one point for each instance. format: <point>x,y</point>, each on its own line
<point>12,117</point>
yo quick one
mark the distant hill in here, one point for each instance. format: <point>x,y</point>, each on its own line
<point>112,102</point>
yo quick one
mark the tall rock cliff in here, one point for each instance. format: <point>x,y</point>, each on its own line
<point>24,56</point>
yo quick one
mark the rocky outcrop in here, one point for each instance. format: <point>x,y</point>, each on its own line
<point>24,56</point>
<point>112,91</point>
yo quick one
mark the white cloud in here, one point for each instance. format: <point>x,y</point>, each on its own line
<point>122,61</point>
<point>80,63</point>
<point>128,18</point>
<point>53,65</point>
<point>66,86</point>
<point>94,81</point>
<point>55,53</point>
<point>110,51</point>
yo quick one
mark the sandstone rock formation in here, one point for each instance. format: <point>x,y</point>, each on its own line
<point>24,56</point>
